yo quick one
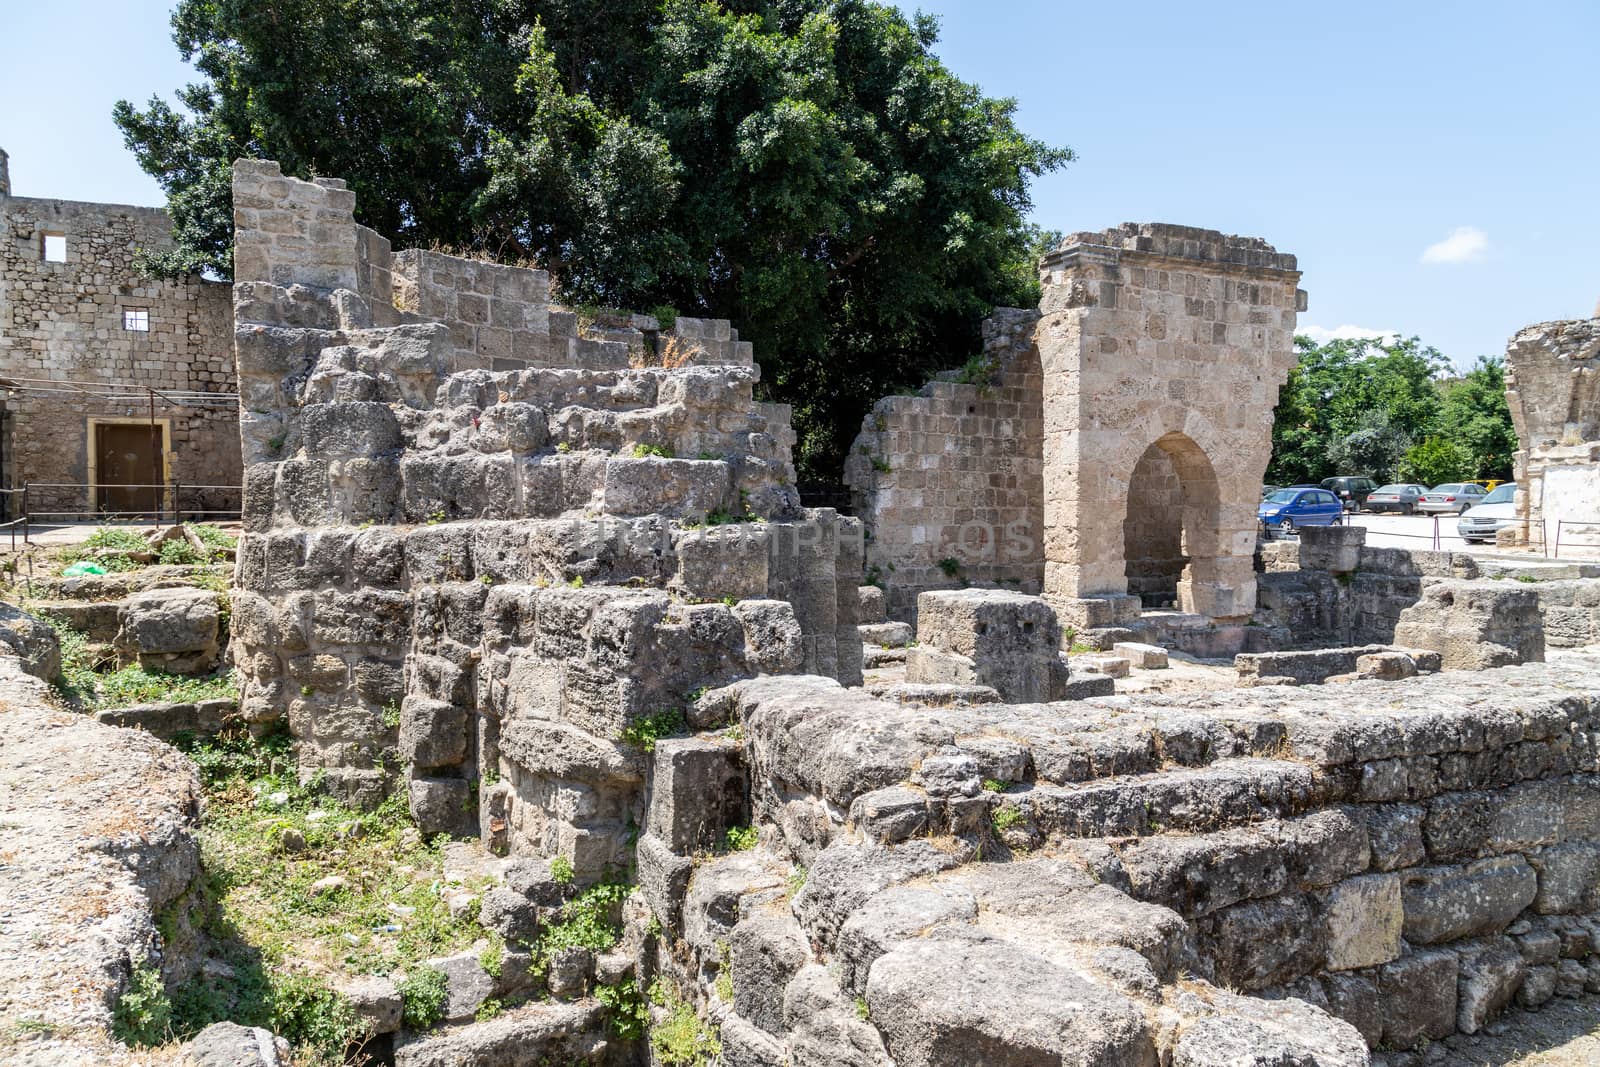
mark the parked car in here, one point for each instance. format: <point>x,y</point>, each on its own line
<point>1494,513</point>
<point>1268,490</point>
<point>1401,497</point>
<point>1353,491</point>
<point>1289,509</point>
<point>1451,496</point>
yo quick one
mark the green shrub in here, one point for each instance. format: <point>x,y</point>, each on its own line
<point>561,870</point>
<point>175,551</point>
<point>143,1015</point>
<point>422,998</point>
<point>627,1014</point>
<point>642,451</point>
<point>681,1040</point>
<point>1005,818</point>
<point>742,838</point>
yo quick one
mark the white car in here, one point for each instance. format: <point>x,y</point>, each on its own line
<point>1481,522</point>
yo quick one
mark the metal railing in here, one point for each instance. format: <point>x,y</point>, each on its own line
<point>53,504</point>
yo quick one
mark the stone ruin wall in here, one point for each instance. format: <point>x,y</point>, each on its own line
<point>1155,363</point>
<point>63,321</point>
<point>460,573</point>
<point>954,475</point>
<point>1305,872</point>
<point>1553,389</point>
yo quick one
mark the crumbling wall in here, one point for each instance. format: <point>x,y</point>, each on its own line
<point>1405,859</point>
<point>949,482</point>
<point>474,564</point>
<point>1553,389</point>
<point>64,321</point>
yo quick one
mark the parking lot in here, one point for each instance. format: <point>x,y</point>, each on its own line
<point>1418,532</point>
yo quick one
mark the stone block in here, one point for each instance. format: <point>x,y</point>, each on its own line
<point>440,805</point>
<point>1364,917</point>
<point>1263,943</point>
<point>1335,549</point>
<point>176,629</point>
<point>1106,666</point>
<point>765,951</point>
<point>886,634</point>
<point>697,791</point>
<point>1144,657</point>
<point>676,487</point>
<point>1491,972</point>
<point>1011,640</point>
<point>664,880</point>
<point>1475,625</point>
<point>1418,997</point>
<point>871,605</point>
<point>1447,903</point>
<point>433,733</point>
<point>1569,878</point>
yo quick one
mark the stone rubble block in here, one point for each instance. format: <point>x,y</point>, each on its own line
<point>1117,666</point>
<point>886,634</point>
<point>1144,657</point>
<point>1004,640</point>
<point>696,793</point>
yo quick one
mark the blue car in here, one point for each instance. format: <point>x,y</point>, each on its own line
<point>1286,510</point>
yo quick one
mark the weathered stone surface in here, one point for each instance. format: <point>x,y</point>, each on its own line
<point>953,1002</point>
<point>529,1036</point>
<point>175,629</point>
<point>440,805</point>
<point>1446,903</point>
<point>376,1001</point>
<point>1144,657</point>
<point>1491,971</point>
<point>1475,625</point>
<point>228,1044</point>
<point>1004,640</point>
<point>697,791</point>
<point>766,950</point>
<point>1418,993</point>
<point>1569,877</point>
<point>33,641</point>
<point>433,733</point>
<point>1364,919</point>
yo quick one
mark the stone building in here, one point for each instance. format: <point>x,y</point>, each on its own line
<point>1553,388</point>
<point>1110,450</point>
<point>111,378</point>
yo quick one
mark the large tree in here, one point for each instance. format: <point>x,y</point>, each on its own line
<point>806,168</point>
<point>1389,410</point>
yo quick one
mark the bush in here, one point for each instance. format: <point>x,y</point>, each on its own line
<point>175,551</point>
<point>422,998</point>
<point>1435,462</point>
<point>143,1015</point>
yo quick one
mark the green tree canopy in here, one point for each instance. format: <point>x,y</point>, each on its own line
<point>806,168</point>
<point>1367,407</point>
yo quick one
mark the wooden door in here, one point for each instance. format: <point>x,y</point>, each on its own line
<point>128,468</point>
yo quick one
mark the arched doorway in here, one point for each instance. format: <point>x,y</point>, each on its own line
<point>1171,532</point>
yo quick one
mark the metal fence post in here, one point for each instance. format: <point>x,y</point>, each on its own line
<point>177,507</point>
<point>1558,539</point>
<point>26,514</point>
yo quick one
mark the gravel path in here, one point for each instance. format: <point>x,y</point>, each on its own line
<point>1564,1033</point>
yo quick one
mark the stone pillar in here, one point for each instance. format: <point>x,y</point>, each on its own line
<point>1169,336</point>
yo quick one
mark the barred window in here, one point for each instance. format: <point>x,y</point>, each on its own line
<point>136,319</point>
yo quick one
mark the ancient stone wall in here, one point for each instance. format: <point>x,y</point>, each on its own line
<point>949,482</point>
<point>65,321</point>
<point>1404,859</point>
<point>474,565</point>
<point>1553,388</point>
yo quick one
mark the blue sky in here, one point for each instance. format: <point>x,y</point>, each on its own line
<point>1356,135</point>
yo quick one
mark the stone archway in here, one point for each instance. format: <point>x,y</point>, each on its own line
<point>1172,527</point>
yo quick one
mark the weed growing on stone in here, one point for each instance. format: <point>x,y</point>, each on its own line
<point>627,1012</point>
<point>742,838</point>
<point>863,1012</point>
<point>269,845</point>
<point>143,1014</point>
<point>796,880</point>
<point>950,567</point>
<point>591,921</point>
<point>561,870</point>
<point>422,998</point>
<point>1006,818</point>
<point>995,785</point>
<point>646,730</point>
<point>681,1040</point>
<point>644,451</point>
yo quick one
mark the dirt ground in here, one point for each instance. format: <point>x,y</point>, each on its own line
<point>1564,1033</point>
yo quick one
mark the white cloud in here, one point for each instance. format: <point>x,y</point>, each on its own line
<point>1322,335</point>
<point>1466,244</point>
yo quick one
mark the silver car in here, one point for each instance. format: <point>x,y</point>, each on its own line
<point>1401,497</point>
<point>1482,521</point>
<point>1451,496</point>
